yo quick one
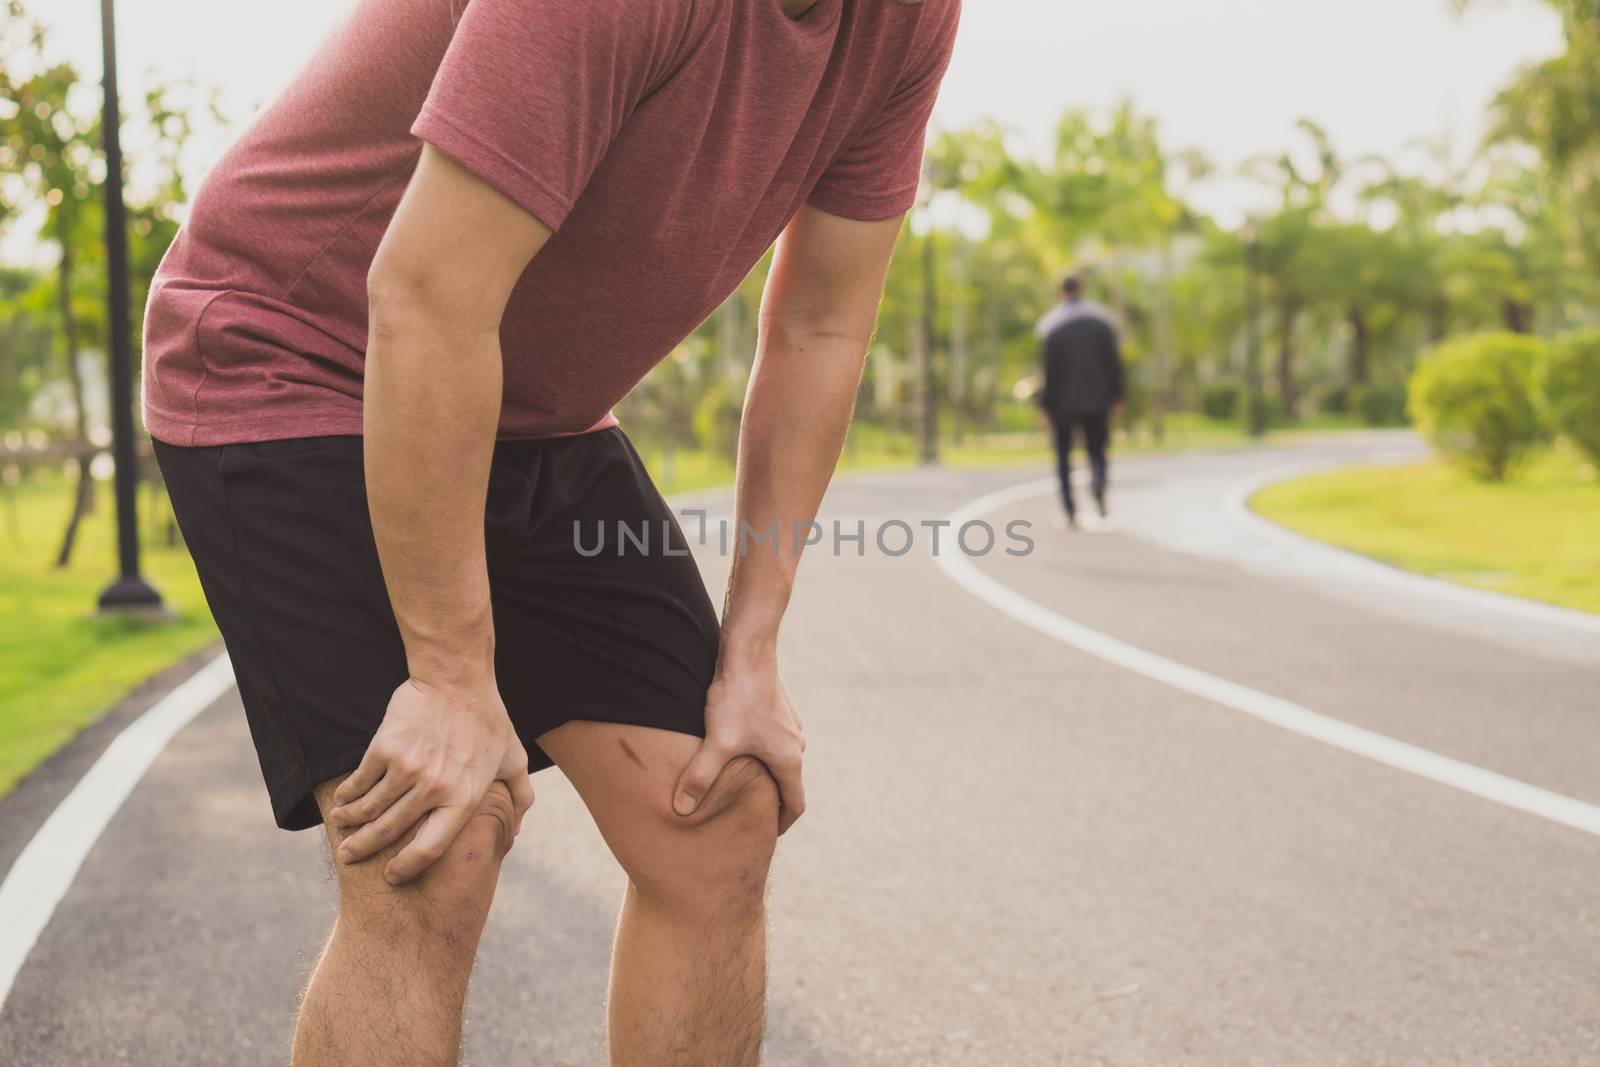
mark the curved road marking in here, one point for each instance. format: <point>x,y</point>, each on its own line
<point>1488,785</point>
<point>1237,506</point>
<point>44,870</point>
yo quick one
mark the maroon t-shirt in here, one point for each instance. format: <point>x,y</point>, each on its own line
<point>666,142</point>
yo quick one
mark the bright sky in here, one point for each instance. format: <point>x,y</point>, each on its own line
<point>1228,77</point>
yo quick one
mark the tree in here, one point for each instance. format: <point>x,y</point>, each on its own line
<point>56,149</point>
<point>1555,108</point>
<point>50,149</point>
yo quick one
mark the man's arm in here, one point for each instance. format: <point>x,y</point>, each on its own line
<point>1115,370</point>
<point>817,317</point>
<point>1045,398</point>
<point>437,290</point>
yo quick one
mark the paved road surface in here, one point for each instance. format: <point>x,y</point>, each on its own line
<point>1016,853</point>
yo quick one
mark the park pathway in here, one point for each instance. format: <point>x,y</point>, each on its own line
<point>1018,852</point>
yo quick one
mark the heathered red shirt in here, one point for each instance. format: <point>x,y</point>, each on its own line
<point>666,142</point>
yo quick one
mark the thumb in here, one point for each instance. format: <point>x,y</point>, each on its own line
<point>698,777</point>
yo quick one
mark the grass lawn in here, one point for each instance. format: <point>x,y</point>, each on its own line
<point>1537,536</point>
<point>60,665</point>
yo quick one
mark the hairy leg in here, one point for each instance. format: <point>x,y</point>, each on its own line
<point>391,985</point>
<point>688,973</point>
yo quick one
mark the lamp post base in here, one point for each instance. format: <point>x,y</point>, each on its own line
<point>132,595</point>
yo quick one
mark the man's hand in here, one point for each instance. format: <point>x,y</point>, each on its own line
<point>748,714</point>
<point>432,762</point>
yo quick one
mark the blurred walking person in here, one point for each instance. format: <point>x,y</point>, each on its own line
<point>1083,387</point>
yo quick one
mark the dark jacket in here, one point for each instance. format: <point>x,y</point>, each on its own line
<point>1082,361</point>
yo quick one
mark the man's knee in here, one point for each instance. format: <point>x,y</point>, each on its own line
<point>488,834</point>
<point>451,898</point>
<point>716,859</point>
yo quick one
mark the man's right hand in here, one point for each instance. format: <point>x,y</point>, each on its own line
<point>432,762</point>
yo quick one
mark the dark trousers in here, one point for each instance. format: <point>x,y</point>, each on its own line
<point>1095,430</point>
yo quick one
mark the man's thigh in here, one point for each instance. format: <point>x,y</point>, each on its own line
<point>626,776</point>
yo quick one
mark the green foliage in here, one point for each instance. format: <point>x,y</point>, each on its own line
<point>1222,400</point>
<point>1570,387</point>
<point>1379,405</point>
<point>52,173</point>
<point>1474,399</point>
<point>1554,107</point>
<point>716,420</point>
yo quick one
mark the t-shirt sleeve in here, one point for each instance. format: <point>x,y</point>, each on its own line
<point>531,93</point>
<point>877,175</point>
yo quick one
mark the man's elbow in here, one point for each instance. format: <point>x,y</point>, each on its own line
<point>411,299</point>
<point>808,328</point>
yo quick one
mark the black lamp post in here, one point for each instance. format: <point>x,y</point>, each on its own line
<point>1256,403</point>
<point>130,592</point>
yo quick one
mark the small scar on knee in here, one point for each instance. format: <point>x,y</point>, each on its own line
<point>627,750</point>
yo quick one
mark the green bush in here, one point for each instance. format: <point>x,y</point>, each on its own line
<point>1570,384</point>
<point>1335,401</point>
<point>1474,399</point>
<point>1220,400</point>
<point>1379,405</point>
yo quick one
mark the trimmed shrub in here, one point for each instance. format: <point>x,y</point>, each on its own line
<point>1474,400</point>
<point>1221,400</point>
<point>1570,384</point>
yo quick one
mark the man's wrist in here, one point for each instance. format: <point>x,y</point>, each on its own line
<point>748,648</point>
<point>462,665</point>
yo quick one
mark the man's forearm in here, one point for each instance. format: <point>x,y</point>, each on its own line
<point>802,393</point>
<point>432,403</point>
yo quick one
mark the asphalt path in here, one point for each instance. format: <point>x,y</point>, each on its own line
<point>1017,852</point>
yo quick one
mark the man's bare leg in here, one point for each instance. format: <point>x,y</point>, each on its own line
<point>392,982</point>
<point>688,973</point>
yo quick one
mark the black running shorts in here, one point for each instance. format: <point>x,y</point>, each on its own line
<point>280,535</point>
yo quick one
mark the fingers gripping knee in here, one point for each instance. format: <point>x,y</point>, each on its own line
<point>474,855</point>
<point>493,825</point>
<point>744,791</point>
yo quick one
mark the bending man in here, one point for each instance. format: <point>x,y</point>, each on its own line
<point>380,361</point>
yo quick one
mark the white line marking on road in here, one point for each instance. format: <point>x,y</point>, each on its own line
<point>46,867</point>
<point>1237,505</point>
<point>1510,792</point>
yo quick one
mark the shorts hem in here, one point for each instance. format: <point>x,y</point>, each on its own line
<point>294,804</point>
<point>692,726</point>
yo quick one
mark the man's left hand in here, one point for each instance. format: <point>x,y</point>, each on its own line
<point>748,714</point>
